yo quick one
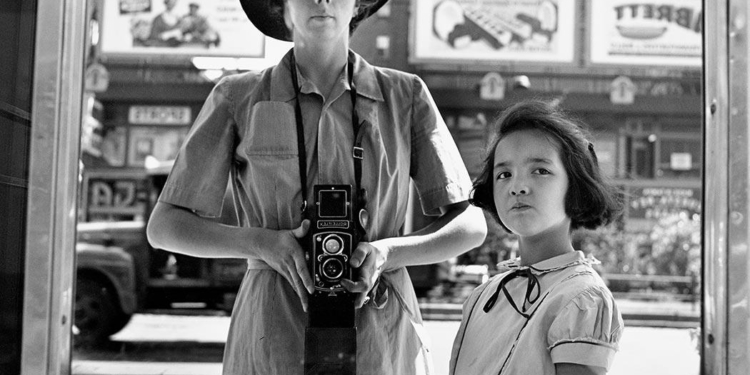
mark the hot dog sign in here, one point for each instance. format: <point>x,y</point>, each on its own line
<point>629,32</point>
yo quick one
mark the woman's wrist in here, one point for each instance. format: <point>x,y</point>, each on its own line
<point>387,247</point>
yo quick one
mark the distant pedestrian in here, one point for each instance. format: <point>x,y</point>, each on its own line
<point>548,311</point>
<point>197,30</point>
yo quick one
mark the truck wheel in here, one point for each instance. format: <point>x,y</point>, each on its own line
<point>96,312</point>
<point>120,321</point>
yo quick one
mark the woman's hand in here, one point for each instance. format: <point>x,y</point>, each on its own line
<point>369,258</point>
<point>286,256</point>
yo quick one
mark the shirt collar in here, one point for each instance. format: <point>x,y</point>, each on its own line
<point>365,80</point>
<point>282,89</point>
<point>556,263</point>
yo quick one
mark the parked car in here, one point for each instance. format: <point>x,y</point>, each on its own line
<point>119,273</point>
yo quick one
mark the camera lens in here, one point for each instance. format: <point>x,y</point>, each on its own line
<point>332,268</point>
<point>332,244</point>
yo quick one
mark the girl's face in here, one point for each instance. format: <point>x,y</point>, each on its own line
<point>530,183</point>
<point>319,20</point>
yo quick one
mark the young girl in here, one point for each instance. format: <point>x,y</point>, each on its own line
<point>547,312</point>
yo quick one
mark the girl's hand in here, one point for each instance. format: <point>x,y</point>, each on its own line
<point>286,256</point>
<point>369,259</point>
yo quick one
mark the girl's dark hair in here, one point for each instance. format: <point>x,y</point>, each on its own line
<point>590,201</point>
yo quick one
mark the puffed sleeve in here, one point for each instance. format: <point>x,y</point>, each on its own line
<point>587,330</point>
<point>437,169</point>
<point>200,173</point>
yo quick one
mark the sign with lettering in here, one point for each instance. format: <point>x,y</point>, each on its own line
<point>114,196</point>
<point>627,32</point>
<point>159,115</point>
<point>656,202</point>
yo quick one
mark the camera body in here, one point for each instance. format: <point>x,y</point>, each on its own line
<point>331,239</point>
<point>331,334</point>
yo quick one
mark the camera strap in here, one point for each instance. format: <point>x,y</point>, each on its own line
<point>357,150</point>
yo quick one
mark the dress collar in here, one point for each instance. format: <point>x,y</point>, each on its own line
<point>556,263</point>
<point>282,89</point>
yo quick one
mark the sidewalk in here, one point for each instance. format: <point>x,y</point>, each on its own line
<point>158,344</point>
<point>144,368</point>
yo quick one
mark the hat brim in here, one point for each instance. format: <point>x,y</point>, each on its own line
<point>271,23</point>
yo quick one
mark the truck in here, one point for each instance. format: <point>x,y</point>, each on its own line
<point>118,273</point>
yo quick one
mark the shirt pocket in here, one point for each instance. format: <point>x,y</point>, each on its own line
<point>270,147</point>
<point>271,131</point>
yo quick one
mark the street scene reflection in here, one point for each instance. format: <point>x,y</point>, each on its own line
<point>631,72</point>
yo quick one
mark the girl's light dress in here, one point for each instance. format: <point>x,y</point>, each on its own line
<point>569,316</point>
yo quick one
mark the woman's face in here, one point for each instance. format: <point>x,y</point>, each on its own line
<point>319,20</point>
<point>530,183</point>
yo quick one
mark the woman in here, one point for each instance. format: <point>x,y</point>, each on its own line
<point>248,130</point>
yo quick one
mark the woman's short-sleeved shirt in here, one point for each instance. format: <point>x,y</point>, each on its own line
<point>573,320</point>
<point>247,127</point>
<point>246,131</point>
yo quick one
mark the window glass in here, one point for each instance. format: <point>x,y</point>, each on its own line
<point>17,44</point>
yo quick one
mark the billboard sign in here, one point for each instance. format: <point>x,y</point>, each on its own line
<point>178,28</point>
<point>624,32</point>
<point>494,30</point>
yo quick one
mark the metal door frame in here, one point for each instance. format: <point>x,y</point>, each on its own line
<point>56,113</point>
<point>726,208</point>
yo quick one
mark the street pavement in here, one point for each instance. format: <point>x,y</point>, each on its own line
<point>156,344</point>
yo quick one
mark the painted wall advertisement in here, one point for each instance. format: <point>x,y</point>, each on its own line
<point>113,195</point>
<point>627,32</point>
<point>179,27</point>
<point>494,30</point>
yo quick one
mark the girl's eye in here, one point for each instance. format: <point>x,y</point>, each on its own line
<point>543,171</point>
<point>502,175</point>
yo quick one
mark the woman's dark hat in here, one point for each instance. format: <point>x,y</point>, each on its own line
<point>267,18</point>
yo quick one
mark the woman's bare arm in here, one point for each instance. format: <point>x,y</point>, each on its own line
<point>179,230</point>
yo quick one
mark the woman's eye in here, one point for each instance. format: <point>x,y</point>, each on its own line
<point>543,171</point>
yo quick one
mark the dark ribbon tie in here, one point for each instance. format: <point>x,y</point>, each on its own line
<point>531,287</point>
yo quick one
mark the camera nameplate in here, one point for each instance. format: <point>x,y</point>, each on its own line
<point>333,224</point>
